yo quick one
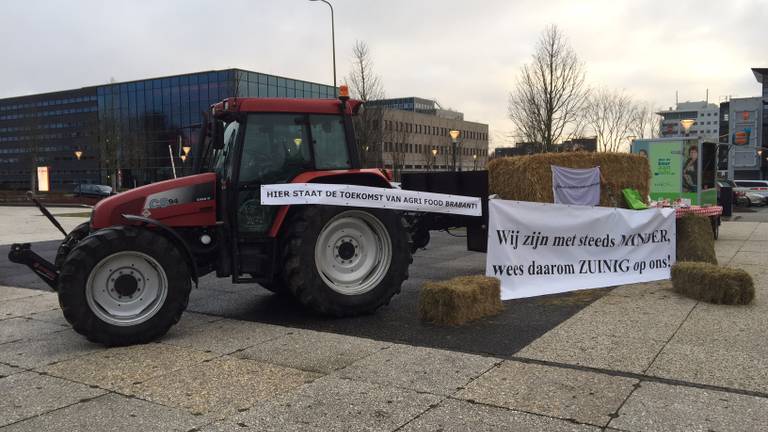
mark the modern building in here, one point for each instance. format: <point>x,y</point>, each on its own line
<point>414,135</point>
<point>761,74</point>
<point>705,115</point>
<point>125,133</point>
<point>745,133</point>
<point>527,148</point>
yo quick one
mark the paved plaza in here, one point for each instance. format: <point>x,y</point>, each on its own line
<point>633,358</point>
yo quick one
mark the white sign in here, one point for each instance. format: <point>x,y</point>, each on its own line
<point>537,249</point>
<point>372,197</point>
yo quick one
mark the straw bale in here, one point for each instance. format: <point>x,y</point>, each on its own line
<point>529,178</point>
<point>713,284</point>
<point>460,300</point>
<point>695,240</point>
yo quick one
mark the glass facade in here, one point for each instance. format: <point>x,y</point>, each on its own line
<point>127,131</point>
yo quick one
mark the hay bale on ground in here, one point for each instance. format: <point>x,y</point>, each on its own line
<point>713,284</point>
<point>459,300</point>
<point>529,178</point>
<point>695,240</point>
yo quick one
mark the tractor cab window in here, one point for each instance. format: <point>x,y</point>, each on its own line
<point>330,142</point>
<point>275,148</point>
<point>221,156</point>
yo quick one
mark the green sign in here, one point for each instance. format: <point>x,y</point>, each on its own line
<point>666,166</point>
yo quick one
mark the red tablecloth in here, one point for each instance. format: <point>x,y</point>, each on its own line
<point>697,210</point>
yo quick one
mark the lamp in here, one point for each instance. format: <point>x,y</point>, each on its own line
<point>297,141</point>
<point>454,141</point>
<point>186,149</point>
<point>686,124</point>
<point>78,154</point>
<point>183,157</point>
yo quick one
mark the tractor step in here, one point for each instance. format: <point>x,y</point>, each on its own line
<point>22,254</point>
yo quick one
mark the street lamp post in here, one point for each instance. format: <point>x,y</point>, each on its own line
<point>333,40</point>
<point>434,158</point>
<point>474,162</point>
<point>455,142</point>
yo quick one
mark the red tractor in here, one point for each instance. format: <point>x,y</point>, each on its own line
<point>125,277</point>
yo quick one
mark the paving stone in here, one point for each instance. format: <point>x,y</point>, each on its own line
<point>112,413</point>
<point>750,258</point>
<point>11,293</point>
<point>30,394</point>
<point>51,349</point>
<point>726,249</point>
<point>754,246</point>
<point>737,230</point>
<point>188,321</point>
<point>21,329</point>
<point>420,369</point>
<point>333,404</point>
<point>585,397</point>
<point>54,316</point>
<point>6,370</point>
<point>459,416</point>
<point>745,369</point>
<point>662,407</point>
<point>28,305</point>
<point>225,336</point>
<point>314,351</point>
<point>120,368</point>
<point>623,330</point>
<point>222,386</point>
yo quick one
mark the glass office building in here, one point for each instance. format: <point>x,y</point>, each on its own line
<point>127,132</point>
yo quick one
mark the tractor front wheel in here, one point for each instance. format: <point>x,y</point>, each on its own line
<point>124,285</point>
<point>344,262</point>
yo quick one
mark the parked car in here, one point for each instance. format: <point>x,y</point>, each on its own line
<point>759,187</point>
<point>754,198</point>
<point>93,190</point>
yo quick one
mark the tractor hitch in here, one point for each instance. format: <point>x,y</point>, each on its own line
<point>22,254</point>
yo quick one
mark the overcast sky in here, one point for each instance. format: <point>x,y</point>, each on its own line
<point>466,54</point>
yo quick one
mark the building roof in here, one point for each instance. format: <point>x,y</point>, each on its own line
<point>760,74</point>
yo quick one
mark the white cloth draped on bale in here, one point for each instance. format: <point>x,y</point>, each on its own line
<point>576,186</point>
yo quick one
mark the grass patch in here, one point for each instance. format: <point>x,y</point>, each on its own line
<point>460,300</point>
<point>713,284</point>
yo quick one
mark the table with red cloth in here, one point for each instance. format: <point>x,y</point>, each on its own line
<point>708,211</point>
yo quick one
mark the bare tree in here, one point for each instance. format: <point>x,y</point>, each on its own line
<point>549,92</point>
<point>645,121</point>
<point>366,86</point>
<point>609,114</point>
<point>400,137</point>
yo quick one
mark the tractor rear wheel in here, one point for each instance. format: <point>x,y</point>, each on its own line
<point>124,285</point>
<point>345,262</point>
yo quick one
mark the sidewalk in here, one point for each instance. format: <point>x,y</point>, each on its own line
<point>641,358</point>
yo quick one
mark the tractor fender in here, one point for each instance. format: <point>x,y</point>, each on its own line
<point>173,237</point>
<point>361,177</point>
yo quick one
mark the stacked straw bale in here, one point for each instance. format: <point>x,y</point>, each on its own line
<point>695,240</point>
<point>460,300</point>
<point>713,284</point>
<point>529,178</point>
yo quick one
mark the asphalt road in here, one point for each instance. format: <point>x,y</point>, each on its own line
<point>520,323</point>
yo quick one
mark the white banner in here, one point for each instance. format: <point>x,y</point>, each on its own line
<point>372,197</point>
<point>537,249</point>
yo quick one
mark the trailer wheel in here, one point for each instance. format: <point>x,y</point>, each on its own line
<point>344,262</point>
<point>124,285</point>
<point>70,241</point>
